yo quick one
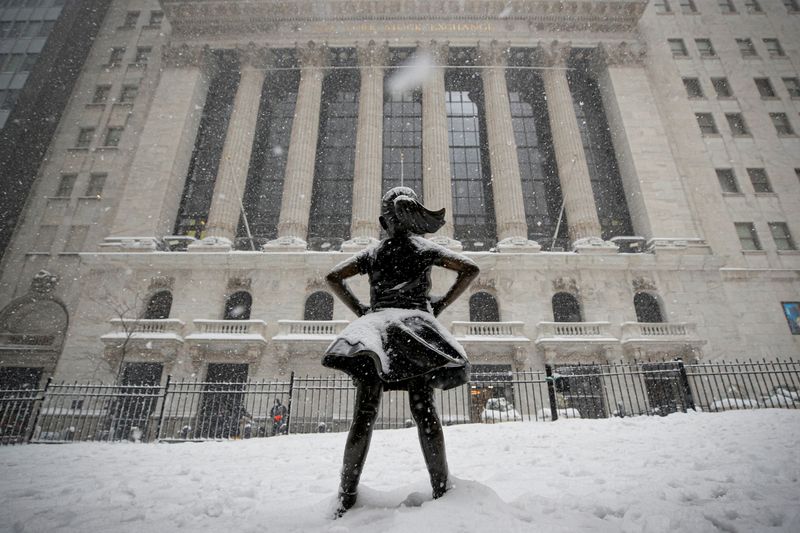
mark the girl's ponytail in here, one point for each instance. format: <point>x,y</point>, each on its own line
<point>414,217</point>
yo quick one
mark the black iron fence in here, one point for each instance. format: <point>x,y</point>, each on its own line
<point>189,410</point>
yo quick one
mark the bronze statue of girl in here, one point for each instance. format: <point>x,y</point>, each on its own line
<point>397,344</point>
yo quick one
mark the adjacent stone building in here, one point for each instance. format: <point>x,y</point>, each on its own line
<point>626,173</point>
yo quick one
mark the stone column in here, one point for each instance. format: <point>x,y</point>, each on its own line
<point>301,158</point>
<point>658,202</point>
<point>149,206</point>
<point>509,206</point>
<point>368,172</point>
<point>436,180</point>
<point>226,204</point>
<point>573,172</point>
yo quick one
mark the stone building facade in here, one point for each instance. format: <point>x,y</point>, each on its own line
<point>621,171</point>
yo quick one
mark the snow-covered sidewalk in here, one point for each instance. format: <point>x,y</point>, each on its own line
<point>734,471</point>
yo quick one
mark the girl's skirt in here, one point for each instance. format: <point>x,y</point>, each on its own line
<point>397,346</point>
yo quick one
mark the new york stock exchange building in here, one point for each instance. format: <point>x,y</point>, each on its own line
<point>625,173</point>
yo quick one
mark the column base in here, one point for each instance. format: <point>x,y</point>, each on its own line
<point>594,245</point>
<point>447,242</point>
<point>517,245</point>
<point>286,244</point>
<point>671,245</point>
<point>133,244</point>
<point>211,244</point>
<point>358,243</point>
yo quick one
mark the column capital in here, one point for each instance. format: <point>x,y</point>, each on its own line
<point>185,56</point>
<point>553,54</point>
<point>255,56</point>
<point>438,50</point>
<point>312,54</point>
<point>493,53</point>
<point>373,54</point>
<point>630,54</point>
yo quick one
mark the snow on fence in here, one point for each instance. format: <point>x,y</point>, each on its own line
<point>190,410</point>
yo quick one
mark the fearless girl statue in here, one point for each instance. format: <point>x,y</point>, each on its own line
<point>396,343</point>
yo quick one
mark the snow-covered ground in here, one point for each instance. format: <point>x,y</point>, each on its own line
<point>734,471</point>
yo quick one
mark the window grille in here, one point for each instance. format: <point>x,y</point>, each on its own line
<point>759,179</point>
<point>727,180</point>
<point>781,236</point>
<point>748,237</point>
<point>706,123</point>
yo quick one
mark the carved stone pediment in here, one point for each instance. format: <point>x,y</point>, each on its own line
<point>316,284</point>
<point>643,284</point>
<point>565,285</point>
<point>161,283</point>
<point>239,283</point>
<point>43,282</point>
<point>485,284</point>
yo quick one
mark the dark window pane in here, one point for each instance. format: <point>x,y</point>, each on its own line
<point>609,195</point>
<point>483,308</point>
<point>402,139</point>
<point>264,190</point>
<point>319,306</point>
<point>647,308</point>
<point>566,308</point>
<point>237,306</point>
<point>473,208</point>
<point>199,186</point>
<point>159,306</point>
<point>331,201</point>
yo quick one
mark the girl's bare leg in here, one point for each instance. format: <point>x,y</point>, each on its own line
<point>431,436</point>
<point>368,400</point>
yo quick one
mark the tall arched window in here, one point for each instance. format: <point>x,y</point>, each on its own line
<point>159,306</point>
<point>566,308</point>
<point>647,308</point>
<point>237,306</point>
<point>319,306</point>
<point>483,308</point>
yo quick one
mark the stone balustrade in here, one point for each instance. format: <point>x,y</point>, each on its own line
<point>229,327</point>
<point>658,329</point>
<point>234,336</point>
<point>298,330</point>
<point>675,336</point>
<point>162,329</point>
<point>489,330</point>
<point>574,331</point>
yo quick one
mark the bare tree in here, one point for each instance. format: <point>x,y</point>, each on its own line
<point>129,313</point>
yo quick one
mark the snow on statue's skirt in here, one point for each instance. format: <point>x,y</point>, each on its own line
<point>397,346</point>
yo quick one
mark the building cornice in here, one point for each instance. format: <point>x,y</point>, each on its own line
<point>196,18</point>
